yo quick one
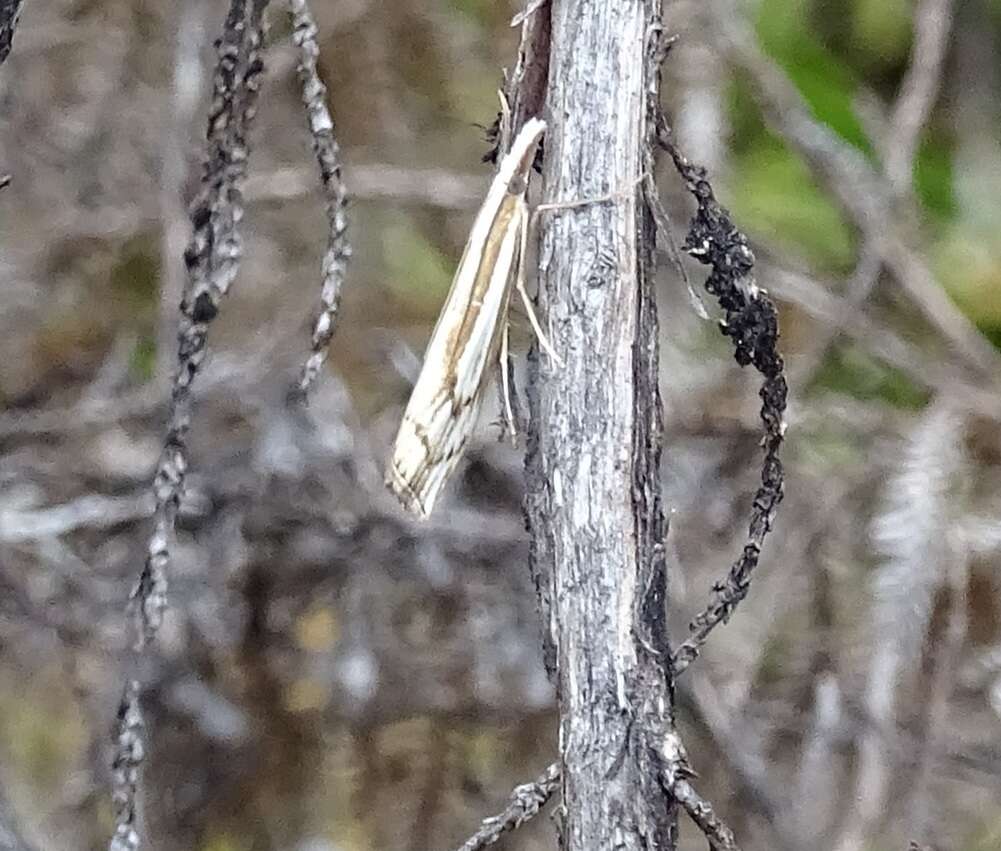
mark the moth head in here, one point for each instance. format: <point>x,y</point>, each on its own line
<point>518,185</point>
<point>516,166</point>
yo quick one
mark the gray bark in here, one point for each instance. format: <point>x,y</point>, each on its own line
<point>593,505</point>
<point>9,11</point>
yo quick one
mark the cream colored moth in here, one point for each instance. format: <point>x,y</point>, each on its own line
<point>445,402</point>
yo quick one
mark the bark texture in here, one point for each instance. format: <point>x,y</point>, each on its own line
<point>9,11</point>
<point>593,493</point>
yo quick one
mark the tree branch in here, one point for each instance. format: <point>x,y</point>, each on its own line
<point>525,803</point>
<point>920,86</point>
<point>863,194</point>
<point>328,158</point>
<point>212,259</point>
<point>701,812</point>
<point>593,502</point>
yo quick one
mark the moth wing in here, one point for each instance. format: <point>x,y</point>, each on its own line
<point>445,404</point>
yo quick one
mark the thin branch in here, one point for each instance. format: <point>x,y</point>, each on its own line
<point>920,86</point>
<point>719,836</point>
<point>125,770</point>
<point>525,803</point>
<point>328,158</point>
<point>94,410</point>
<point>531,7</point>
<point>527,800</point>
<point>932,24</point>
<point>744,747</point>
<point>816,299</point>
<point>93,511</point>
<point>862,193</point>
<point>185,98</point>
<point>862,282</point>
<point>675,774</point>
<point>212,259</point>
<point>752,324</point>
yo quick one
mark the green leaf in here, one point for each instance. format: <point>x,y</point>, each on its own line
<point>854,373</point>
<point>882,29</point>
<point>933,176</point>
<point>142,360</point>
<point>776,197</point>
<point>826,81</point>
<point>418,272</point>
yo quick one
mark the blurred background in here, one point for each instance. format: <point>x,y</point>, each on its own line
<point>332,675</point>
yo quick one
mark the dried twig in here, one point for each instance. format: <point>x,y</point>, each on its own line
<point>212,259</point>
<point>752,323</point>
<point>187,87</point>
<point>125,770</point>
<point>946,661</point>
<point>328,157</point>
<point>525,803</point>
<point>932,24</point>
<point>531,7</point>
<point>861,192</point>
<point>743,747</point>
<point>700,811</point>
<point>815,298</point>
<point>527,800</point>
<point>93,511</point>
<point>920,86</point>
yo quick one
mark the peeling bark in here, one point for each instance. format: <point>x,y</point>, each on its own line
<point>594,503</point>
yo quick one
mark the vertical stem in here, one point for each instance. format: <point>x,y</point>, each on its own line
<point>593,504</point>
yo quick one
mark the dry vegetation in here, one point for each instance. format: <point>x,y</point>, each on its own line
<point>331,675</point>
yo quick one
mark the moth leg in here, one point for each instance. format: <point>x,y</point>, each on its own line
<point>506,387</point>
<point>520,285</point>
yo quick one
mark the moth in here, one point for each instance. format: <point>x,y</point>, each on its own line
<point>445,402</point>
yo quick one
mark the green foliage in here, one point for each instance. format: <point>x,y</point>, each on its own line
<point>483,12</point>
<point>418,272</point>
<point>827,448</point>
<point>969,265</point>
<point>933,176</point>
<point>881,30</point>
<point>135,277</point>
<point>992,331</point>
<point>854,373</point>
<point>776,197</point>
<point>826,81</point>
<point>142,359</point>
